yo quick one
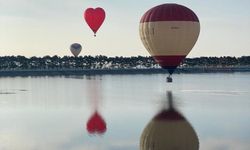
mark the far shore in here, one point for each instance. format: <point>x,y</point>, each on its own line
<point>68,72</point>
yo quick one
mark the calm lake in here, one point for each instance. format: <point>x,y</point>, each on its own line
<point>52,113</point>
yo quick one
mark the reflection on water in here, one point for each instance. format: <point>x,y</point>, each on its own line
<point>52,112</point>
<point>217,92</point>
<point>96,125</point>
<point>169,130</point>
<point>11,91</point>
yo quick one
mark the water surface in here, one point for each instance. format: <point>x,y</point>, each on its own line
<point>38,113</point>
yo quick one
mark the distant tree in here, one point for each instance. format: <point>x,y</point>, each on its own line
<point>101,62</point>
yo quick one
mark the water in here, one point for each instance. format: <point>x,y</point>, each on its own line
<point>51,113</point>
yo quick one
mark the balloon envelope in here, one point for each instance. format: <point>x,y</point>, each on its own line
<point>75,49</point>
<point>169,32</point>
<point>94,18</point>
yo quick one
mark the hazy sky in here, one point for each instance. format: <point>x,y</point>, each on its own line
<point>48,27</point>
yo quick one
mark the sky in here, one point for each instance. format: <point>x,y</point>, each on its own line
<point>46,27</point>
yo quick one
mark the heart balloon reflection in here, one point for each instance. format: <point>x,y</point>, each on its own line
<point>94,18</point>
<point>96,124</point>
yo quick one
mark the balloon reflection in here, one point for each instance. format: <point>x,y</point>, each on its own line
<point>96,125</point>
<point>169,130</point>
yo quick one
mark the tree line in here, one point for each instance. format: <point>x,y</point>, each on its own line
<point>104,62</point>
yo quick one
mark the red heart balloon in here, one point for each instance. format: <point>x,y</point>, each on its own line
<point>96,124</point>
<point>94,18</point>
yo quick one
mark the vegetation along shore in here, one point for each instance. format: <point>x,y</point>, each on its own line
<point>94,65</point>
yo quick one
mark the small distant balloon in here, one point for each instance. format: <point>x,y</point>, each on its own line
<point>96,124</point>
<point>75,49</point>
<point>94,18</point>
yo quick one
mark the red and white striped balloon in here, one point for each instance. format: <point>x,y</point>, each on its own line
<point>169,32</point>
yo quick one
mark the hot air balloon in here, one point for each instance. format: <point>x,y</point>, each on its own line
<point>169,130</point>
<point>96,124</point>
<point>169,32</point>
<point>94,18</point>
<point>75,49</point>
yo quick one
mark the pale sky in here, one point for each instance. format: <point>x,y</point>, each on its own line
<point>49,27</point>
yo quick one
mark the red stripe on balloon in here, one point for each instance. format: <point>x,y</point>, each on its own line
<point>168,115</point>
<point>169,61</point>
<point>169,12</point>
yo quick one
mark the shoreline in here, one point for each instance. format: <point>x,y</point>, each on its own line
<point>68,72</point>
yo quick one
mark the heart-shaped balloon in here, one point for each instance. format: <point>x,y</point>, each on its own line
<point>94,18</point>
<point>96,124</point>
